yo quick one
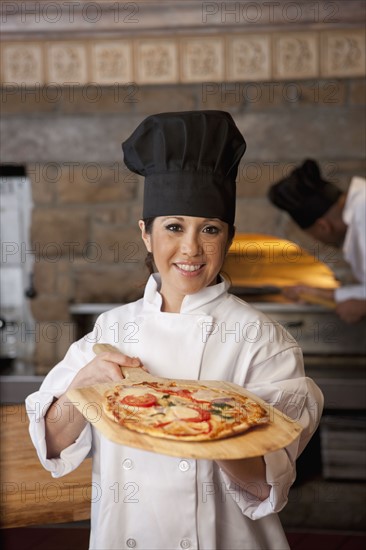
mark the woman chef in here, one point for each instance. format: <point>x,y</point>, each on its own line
<point>186,326</point>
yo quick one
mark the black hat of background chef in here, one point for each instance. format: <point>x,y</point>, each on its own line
<point>304,194</point>
<point>190,162</point>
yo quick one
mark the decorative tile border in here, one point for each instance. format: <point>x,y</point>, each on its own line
<point>157,61</point>
<point>249,57</point>
<point>187,59</point>
<point>296,55</point>
<point>111,62</point>
<point>344,53</point>
<point>22,63</point>
<point>202,59</point>
<point>67,62</point>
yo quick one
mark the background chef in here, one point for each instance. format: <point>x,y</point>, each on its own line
<point>334,218</point>
<point>146,500</point>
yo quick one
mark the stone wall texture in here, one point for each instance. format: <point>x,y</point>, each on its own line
<point>87,204</point>
<point>84,231</point>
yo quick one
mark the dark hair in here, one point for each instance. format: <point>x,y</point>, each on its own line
<point>149,259</point>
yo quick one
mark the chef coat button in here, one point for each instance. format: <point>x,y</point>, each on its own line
<point>127,464</point>
<point>131,543</point>
<point>185,543</point>
<point>184,465</point>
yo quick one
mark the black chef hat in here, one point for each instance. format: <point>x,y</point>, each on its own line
<point>304,194</point>
<point>190,162</point>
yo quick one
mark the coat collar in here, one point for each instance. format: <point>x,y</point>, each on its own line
<point>201,301</point>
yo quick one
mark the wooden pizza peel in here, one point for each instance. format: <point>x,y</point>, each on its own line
<point>278,433</point>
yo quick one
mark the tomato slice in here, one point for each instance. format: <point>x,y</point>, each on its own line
<point>145,400</point>
<point>182,393</point>
<point>203,416</point>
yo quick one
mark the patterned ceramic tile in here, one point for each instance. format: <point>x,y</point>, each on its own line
<point>150,60</point>
<point>67,62</point>
<point>343,53</point>
<point>202,59</point>
<point>22,63</point>
<point>157,61</point>
<point>296,55</point>
<point>111,62</point>
<point>249,57</point>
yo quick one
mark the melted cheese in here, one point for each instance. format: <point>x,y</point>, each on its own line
<point>184,412</point>
<point>205,395</point>
<point>140,391</point>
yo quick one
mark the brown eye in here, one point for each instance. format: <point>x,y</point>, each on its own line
<point>211,230</point>
<point>174,227</point>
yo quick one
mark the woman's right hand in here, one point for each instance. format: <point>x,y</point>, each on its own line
<point>105,367</point>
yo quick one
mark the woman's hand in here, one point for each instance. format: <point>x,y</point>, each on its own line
<point>249,474</point>
<point>105,367</point>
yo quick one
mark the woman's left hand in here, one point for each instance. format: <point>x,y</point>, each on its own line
<point>249,474</point>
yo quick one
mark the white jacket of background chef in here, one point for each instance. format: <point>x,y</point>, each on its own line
<point>149,501</point>
<point>354,245</point>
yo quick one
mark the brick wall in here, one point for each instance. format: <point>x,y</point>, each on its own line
<point>86,204</point>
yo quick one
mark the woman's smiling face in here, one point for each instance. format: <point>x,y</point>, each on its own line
<point>188,253</point>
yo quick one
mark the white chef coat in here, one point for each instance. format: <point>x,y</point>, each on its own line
<point>149,501</point>
<point>354,246</point>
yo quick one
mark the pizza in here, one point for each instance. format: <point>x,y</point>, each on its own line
<point>181,411</point>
